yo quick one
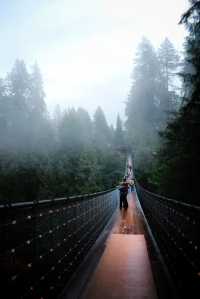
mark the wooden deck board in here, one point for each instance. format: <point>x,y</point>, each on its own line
<point>124,270</point>
<point>129,221</point>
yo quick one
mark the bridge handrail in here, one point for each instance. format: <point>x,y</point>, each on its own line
<point>57,199</point>
<point>175,227</point>
<point>43,243</point>
<point>173,201</point>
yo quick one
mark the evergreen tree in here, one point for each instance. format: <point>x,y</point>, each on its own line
<point>178,174</point>
<point>89,175</point>
<point>41,159</point>
<point>169,62</point>
<point>37,95</point>
<point>141,108</point>
<point>168,59</point>
<point>75,130</point>
<point>18,92</point>
<point>70,132</point>
<point>56,123</point>
<point>119,135</point>
<point>4,114</point>
<point>102,134</point>
<point>25,116</point>
<point>42,132</point>
<point>86,127</point>
<point>19,84</point>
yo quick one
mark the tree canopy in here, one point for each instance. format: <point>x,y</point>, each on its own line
<point>41,157</point>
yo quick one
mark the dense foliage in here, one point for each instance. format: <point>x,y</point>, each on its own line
<point>42,157</point>
<point>163,117</point>
<point>178,161</point>
<point>152,101</point>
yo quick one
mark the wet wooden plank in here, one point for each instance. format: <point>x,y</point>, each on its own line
<point>124,270</point>
<point>129,221</point>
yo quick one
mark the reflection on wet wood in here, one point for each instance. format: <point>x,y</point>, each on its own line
<point>129,221</point>
<point>124,270</point>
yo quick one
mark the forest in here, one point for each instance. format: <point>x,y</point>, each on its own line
<point>163,114</point>
<point>43,156</point>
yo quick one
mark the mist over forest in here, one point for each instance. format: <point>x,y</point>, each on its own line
<point>74,152</point>
<point>43,157</point>
<point>99,149</point>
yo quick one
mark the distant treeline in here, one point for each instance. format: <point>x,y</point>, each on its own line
<point>41,157</point>
<point>163,116</point>
<point>153,100</point>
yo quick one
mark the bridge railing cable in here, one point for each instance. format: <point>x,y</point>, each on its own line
<point>42,243</point>
<point>176,228</point>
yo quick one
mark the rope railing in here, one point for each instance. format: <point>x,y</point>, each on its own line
<point>176,228</point>
<point>42,243</point>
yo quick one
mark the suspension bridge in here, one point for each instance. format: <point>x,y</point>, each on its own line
<point>85,247</point>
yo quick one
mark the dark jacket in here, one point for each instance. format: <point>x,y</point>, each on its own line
<point>123,188</point>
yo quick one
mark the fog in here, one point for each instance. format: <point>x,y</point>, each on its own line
<point>99,112</point>
<point>85,49</point>
<point>82,84</point>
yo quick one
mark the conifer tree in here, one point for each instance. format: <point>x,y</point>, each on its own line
<point>102,132</point>
<point>168,96</point>
<point>179,158</point>
<point>141,108</point>
<point>119,135</point>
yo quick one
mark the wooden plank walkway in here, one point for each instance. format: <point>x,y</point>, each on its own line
<point>129,221</point>
<point>124,270</point>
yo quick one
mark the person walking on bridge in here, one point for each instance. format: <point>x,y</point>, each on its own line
<point>123,189</point>
<point>129,171</point>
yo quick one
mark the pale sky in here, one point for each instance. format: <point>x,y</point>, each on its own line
<point>85,48</point>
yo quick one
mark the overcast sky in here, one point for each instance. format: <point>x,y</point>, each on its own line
<point>85,48</point>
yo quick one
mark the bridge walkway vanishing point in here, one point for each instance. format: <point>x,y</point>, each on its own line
<point>124,269</point>
<point>84,247</point>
